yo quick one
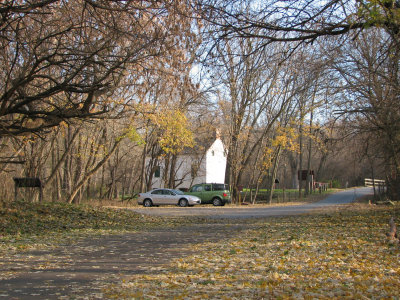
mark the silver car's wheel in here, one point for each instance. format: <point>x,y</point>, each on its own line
<point>183,203</point>
<point>217,202</point>
<point>147,203</point>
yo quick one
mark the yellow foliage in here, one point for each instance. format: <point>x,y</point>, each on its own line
<point>171,124</point>
<point>380,13</point>
<point>174,132</point>
<point>286,138</point>
<point>134,136</point>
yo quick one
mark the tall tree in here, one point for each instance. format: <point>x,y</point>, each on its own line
<point>65,59</point>
<point>369,94</point>
<point>305,22</point>
<point>253,92</point>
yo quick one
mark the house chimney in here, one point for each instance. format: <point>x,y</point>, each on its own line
<point>217,134</point>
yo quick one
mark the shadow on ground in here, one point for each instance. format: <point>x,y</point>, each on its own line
<point>81,270</point>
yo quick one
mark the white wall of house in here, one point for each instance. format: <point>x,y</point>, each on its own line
<point>184,171</point>
<point>216,163</point>
<point>211,168</point>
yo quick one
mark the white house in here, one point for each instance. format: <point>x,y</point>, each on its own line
<point>204,163</point>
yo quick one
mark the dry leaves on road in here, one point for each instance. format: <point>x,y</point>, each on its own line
<point>339,255</point>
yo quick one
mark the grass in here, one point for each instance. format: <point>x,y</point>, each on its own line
<point>287,196</point>
<point>280,191</point>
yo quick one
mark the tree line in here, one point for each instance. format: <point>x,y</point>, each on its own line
<point>96,94</point>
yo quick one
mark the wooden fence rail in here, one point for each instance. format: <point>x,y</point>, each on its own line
<point>371,182</point>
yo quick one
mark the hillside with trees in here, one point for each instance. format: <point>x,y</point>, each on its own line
<point>95,94</point>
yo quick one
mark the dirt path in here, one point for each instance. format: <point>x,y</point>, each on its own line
<point>81,270</point>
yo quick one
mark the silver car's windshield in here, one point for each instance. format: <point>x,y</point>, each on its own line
<point>178,192</point>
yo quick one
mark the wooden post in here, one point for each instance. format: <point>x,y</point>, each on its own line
<point>40,193</point>
<point>15,192</point>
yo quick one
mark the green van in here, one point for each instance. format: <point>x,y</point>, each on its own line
<point>216,193</point>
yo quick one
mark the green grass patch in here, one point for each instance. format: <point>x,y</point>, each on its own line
<point>292,191</point>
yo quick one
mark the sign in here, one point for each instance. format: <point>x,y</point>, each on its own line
<point>27,182</point>
<point>302,175</point>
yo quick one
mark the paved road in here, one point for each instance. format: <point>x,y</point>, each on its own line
<point>343,197</point>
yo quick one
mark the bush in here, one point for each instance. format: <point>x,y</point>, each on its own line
<point>336,184</point>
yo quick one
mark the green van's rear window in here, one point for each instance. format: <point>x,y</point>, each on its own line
<point>219,187</point>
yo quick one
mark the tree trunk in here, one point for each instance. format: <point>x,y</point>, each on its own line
<point>301,158</point>
<point>67,150</point>
<point>78,167</point>
<point>273,176</point>
<point>91,172</point>
<point>165,174</point>
<point>101,188</point>
<point>143,168</point>
<point>309,176</point>
<point>172,172</point>
<point>66,180</point>
<point>293,162</point>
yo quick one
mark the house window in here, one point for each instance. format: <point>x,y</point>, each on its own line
<point>157,172</point>
<point>213,153</point>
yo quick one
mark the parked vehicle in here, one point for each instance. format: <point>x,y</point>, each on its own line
<point>216,193</point>
<point>167,197</point>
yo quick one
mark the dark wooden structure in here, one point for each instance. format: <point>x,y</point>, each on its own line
<point>28,182</point>
<point>302,174</point>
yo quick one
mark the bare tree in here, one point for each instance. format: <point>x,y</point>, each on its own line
<point>253,92</point>
<point>65,59</point>
<point>305,22</point>
<point>297,21</point>
<point>369,93</point>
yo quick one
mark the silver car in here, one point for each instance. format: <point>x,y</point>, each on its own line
<point>167,197</point>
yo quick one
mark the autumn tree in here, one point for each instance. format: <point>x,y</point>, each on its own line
<point>162,116</point>
<point>285,138</point>
<point>252,90</point>
<point>297,23</point>
<point>66,59</point>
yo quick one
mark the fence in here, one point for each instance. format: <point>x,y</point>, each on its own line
<point>371,182</point>
<point>379,184</point>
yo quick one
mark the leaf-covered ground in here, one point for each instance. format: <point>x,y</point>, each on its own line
<point>343,254</point>
<point>25,225</point>
<point>338,254</point>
